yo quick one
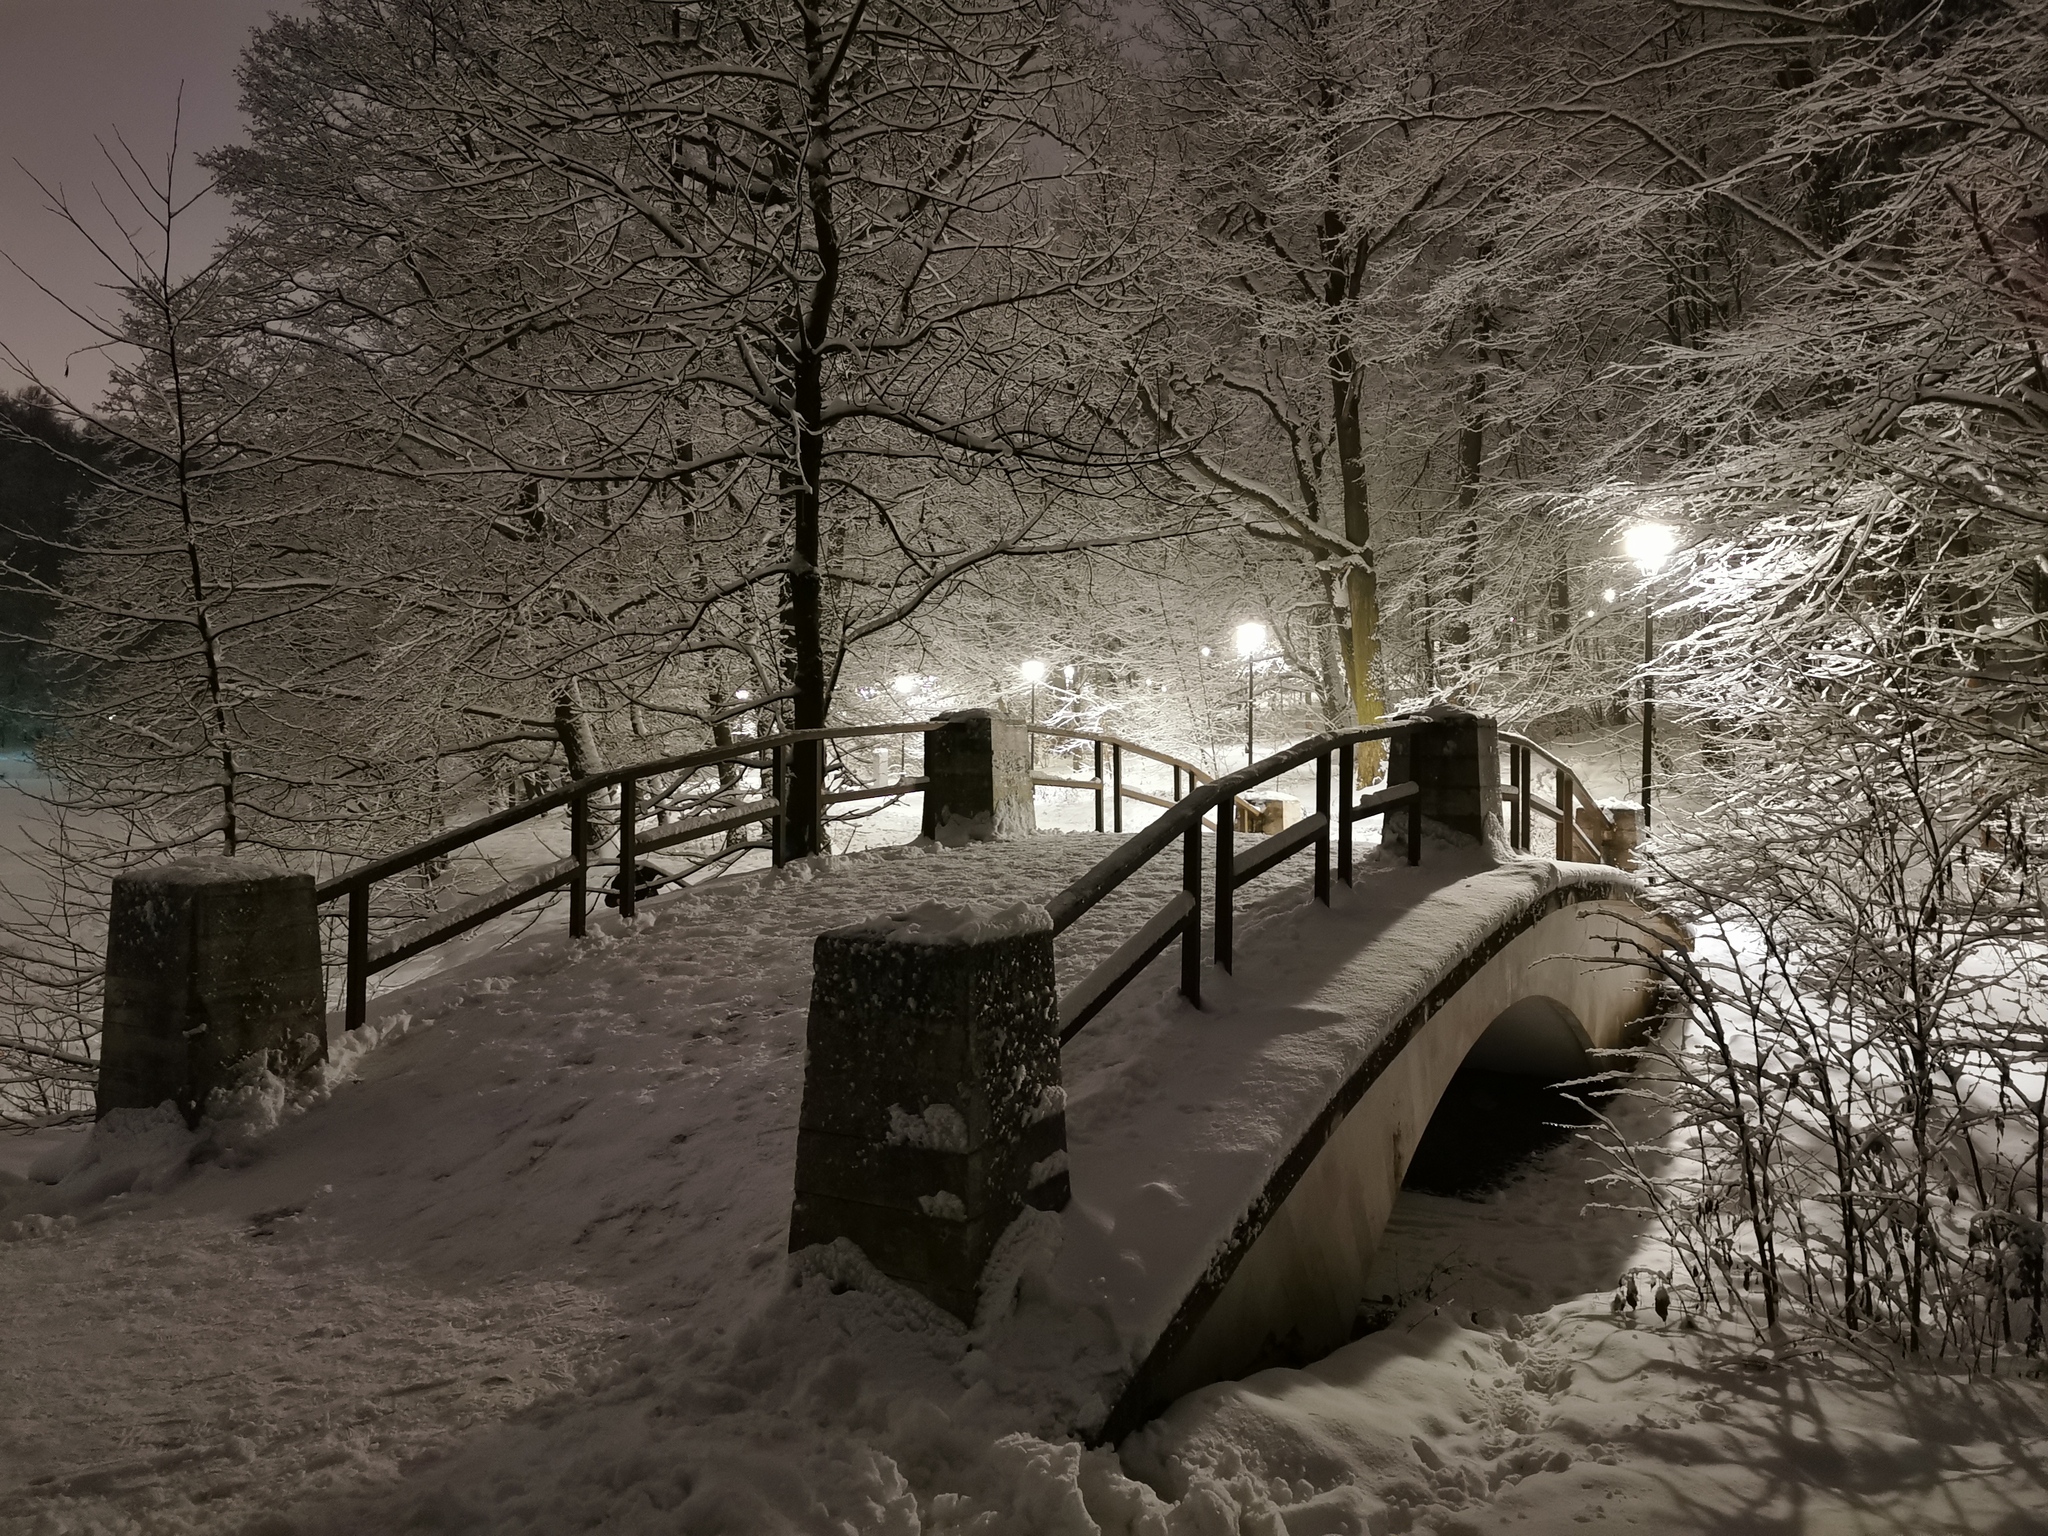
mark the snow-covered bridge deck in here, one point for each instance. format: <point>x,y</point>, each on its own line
<point>524,1165</point>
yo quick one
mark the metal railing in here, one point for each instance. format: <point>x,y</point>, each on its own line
<point>1110,790</point>
<point>769,755</point>
<point>1181,916</point>
<point>1196,795</point>
<point>1519,792</point>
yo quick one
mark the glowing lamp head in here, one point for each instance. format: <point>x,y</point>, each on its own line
<point>1033,672</point>
<point>1251,638</point>
<point>743,695</point>
<point>906,684</point>
<point>1649,545</point>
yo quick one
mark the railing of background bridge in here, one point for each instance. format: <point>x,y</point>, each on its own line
<point>1109,789</point>
<point>1181,916</point>
<point>1571,801</point>
<point>770,755</point>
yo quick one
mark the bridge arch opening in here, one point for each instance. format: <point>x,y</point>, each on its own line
<point>1503,1106</point>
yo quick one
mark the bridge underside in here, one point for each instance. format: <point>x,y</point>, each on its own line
<point>1233,1169</point>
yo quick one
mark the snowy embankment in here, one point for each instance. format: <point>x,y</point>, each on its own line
<point>520,1268</point>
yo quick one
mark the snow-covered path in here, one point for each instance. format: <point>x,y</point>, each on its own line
<point>587,1143</point>
<point>521,1271</point>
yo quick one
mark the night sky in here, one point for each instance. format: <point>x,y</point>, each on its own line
<point>72,71</point>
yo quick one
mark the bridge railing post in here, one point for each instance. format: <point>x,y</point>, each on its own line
<point>629,873</point>
<point>1226,854</point>
<point>933,1112</point>
<point>356,959</point>
<point>1323,837</point>
<point>1346,788</point>
<point>579,850</point>
<point>778,791</point>
<point>1525,774</point>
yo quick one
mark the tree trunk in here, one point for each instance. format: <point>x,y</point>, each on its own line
<point>1361,577</point>
<point>572,729</point>
<point>803,607</point>
<point>585,757</point>
<point>1471,458</point>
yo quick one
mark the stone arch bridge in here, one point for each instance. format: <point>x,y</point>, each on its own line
<point>1220,1164</point>
<point>1222,1172</point>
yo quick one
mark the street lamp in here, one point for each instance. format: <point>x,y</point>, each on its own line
<point>1251,639</point>
<point>1034,673</point>
<point>1649,545</point>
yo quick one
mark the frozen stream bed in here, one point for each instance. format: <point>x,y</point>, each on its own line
<point>517,1267</point>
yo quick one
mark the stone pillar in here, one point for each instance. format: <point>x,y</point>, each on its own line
<point>1267,813</point>
<point>1618,842</point>
<point>1454,756</point>
<point>933,1113</point>
<point>208,960</point>
<point>979,765</point>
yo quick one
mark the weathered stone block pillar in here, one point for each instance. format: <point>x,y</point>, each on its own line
<point>1455,760</point>
<point>208,960</point>
<point>979,765</point>
<point>933,1112</point>
<point>1267,813</point>
<point>1618,842</point>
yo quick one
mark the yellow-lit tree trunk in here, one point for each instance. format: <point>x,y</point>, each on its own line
<point>1361,663</point>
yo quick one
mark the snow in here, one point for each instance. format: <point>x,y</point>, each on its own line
<point>960,922</point>
<point>209,869</point>
<point>1508,1394</point>
<point>938,1126</point>
<point>515,1264</point>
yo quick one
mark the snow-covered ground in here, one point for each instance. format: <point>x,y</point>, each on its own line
<point>518,1266</point>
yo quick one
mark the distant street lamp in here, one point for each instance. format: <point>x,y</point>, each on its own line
<point>1251,639</point>
<point>1649,545</point>
<point>1033,672</point>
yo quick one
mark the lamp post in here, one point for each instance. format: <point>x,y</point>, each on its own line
<point>1251,639</point>
<point>1033,672</point>
<point>1649,545</point>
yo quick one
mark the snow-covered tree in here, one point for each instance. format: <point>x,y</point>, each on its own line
<point>765,293</point>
